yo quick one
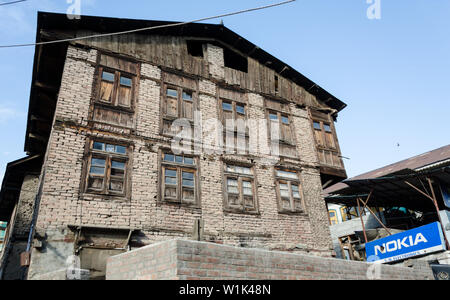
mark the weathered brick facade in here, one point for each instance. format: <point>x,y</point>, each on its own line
<point>123,204</point>
<point>63,203</point>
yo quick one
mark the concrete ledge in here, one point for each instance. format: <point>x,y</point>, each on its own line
<point>191,260</point>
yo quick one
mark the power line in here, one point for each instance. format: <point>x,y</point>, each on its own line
<point>146,28</point>
<point>12,2</point>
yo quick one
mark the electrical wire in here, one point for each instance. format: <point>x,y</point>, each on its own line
<point>12,2</point>
<point>147,28</point>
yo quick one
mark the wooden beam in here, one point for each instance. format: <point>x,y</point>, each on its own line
<point>362,221</point>
<point>437,211</point>
<point>44,86</point>
<point>418,190</point>
<point>372,213</point>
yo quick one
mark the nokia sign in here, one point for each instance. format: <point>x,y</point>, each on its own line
<point>414,242</point>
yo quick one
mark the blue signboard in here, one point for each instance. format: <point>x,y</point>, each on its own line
<point>418,241</point>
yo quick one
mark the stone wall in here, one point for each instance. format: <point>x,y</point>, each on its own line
<point>190,260</point>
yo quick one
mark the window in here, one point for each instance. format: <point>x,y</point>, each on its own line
<point>178,103</point>
<point>281,123</point>
<point>326,143</point>
<point>179,179</point>
<point>290,195</point>
<point>324,134</point>
<point>281,135</point>
<point>239,189</point>
<point>235,61</point>
<point>333,217</point>
<point>107,169</point>
<point>231,112</point>
<point>234,116</point>
<point>116,87</point>
<point>195,48</point>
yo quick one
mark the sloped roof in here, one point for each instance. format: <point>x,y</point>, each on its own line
<point>406,166</point>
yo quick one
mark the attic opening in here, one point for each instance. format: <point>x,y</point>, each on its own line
<point>235,61</point>
<point>195,48</point>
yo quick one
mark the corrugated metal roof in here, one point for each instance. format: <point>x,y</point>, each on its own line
<point>434,157</point>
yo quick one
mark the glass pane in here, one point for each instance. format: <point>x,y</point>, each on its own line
<point>240,109</point>
<point>187,96</point>
<point>285,120</point>
<point>287,174</point>
<point>230,169</point>
<point>171,180</point>
<point>179,159</point>
<point>171,173</point>
<point>247,188</point>
<point>116,186</point>
<point>327,127</point>
<point>110,148</point>
<point>247,184</point>
<point>95,183</point>
<point>273,117</point>
<point>247,171</point>
<point>107,76</point>
<point>97,170</point>
<point>118,165</point>
<point>121,149</point>
<point>284,190</point>
<point>98,162</point>
<point>172,93</point>
<point>126,81</point>
<point>99,146</point>
<point>227,106</point>
<point>188,175</point>
<point>188,183</point>
<point>232,186</point>
<point>248,192</point>
<point>188,161</point>
<point>188,194</point>
<point>169,157</point>
<point>317,126</point>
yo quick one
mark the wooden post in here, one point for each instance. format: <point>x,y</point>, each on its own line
<point>362,221</point>
<point>437,211</point>
<point>373,214</point>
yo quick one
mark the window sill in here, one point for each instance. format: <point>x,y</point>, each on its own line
<point>93,195</point>
<point>118,108</point>
<point>241,212</point>
<point>193,206</point>
<point>293,213</point>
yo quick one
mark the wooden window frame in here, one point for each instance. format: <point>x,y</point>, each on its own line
<point>116,87</point>
<point>107,177</point>
<point>280,115</point>
<point>179,168</point>
<point>329,155</point>
<point>289,181</point>
<point>335,216</point>
<point>180,100</point>
<point>234,131</point>
<point>180,106</point>
<point>239,177</point>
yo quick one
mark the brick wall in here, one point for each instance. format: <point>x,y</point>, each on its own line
<point>190,260</point>
<point>64,204</point>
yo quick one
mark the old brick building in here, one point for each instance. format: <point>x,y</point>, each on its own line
<point>102,176</point>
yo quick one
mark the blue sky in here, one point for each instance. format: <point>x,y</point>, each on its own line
<point>393,73</point>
